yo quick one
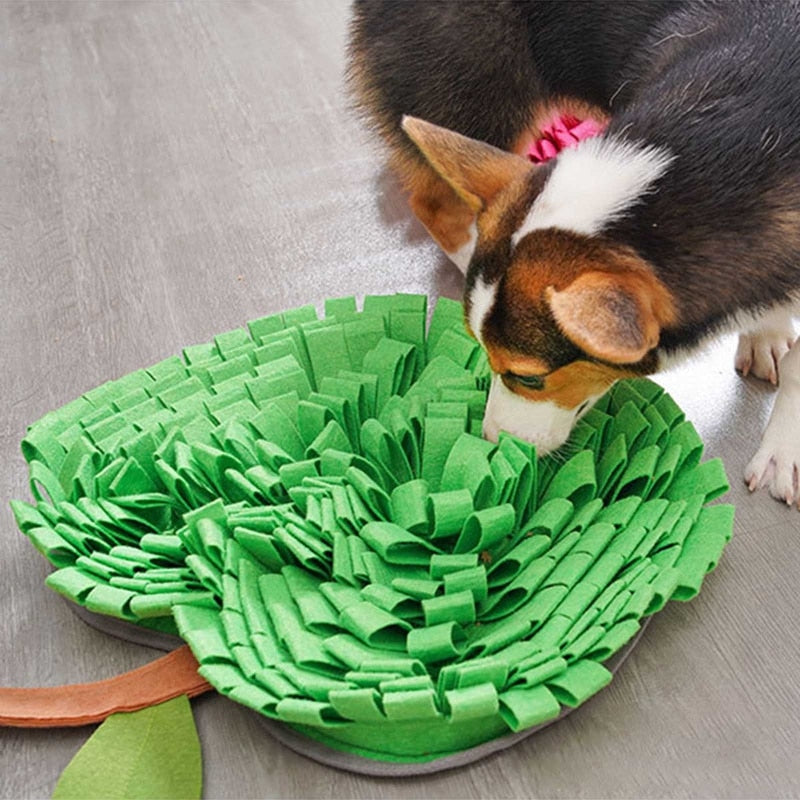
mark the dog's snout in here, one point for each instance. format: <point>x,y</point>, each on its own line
<point>544,423</point>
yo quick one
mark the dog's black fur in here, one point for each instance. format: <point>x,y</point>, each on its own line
<point>716,82</point>
<point>477,67</point>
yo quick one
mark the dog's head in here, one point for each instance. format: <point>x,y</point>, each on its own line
<point>562,311</point>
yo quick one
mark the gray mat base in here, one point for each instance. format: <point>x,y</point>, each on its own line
<point>126,630</point>
<point>322,753</point>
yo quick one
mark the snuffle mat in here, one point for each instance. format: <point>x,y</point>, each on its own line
<point>308,503</point>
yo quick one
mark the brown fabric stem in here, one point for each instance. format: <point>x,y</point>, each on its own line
<point>85,703</point>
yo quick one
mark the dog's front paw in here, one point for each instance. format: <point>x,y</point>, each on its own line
<point>775,466</point>
<point>759,353</point>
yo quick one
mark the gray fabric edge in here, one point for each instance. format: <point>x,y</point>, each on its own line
<point>123,629</point>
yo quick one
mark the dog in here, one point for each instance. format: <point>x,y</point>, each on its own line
<point>618,181</point>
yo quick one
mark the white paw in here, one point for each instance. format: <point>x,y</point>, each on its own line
<point>776,465</point>
<point>758,353</point>
<point>778,469</point>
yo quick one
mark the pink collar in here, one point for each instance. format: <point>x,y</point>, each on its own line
<point>563,132</point>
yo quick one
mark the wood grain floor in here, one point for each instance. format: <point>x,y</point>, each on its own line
<point>171,170</point>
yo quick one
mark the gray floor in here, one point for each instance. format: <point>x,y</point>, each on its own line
<point>169,171</point>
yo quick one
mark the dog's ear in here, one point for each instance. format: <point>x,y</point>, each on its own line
<point>614,316</point>
<point>475,170</point>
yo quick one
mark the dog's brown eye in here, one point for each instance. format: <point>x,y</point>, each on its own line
<point>528,381</point>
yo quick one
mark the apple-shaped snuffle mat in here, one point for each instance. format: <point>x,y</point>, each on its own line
<point>309,505</point>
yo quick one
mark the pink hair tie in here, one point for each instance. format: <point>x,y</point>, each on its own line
<point>561,133</point>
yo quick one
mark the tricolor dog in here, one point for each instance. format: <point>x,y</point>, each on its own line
<point>619,182</point>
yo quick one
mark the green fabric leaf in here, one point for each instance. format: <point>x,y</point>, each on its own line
<point>152,753</point>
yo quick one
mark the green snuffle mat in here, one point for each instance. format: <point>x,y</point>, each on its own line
<point>308,503</point>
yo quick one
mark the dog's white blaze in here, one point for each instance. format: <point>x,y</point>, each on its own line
<point>481,301</point>
<point>594,184</point>
<point>463,255</point>
<point>544,423</point>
